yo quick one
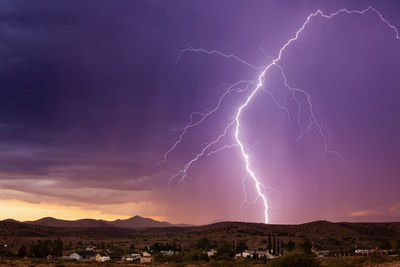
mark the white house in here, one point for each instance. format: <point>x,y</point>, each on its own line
<point>167,253</point>
<point>362,251</point>
<point>262,253</point>
<point>128,258</point>
<point>75,256</point>
<point>135,256</point>
<point>211,253</point>
<point>132,257</point>
<point>248,253</point>
<point>146,254</point>
<point>321,253</point>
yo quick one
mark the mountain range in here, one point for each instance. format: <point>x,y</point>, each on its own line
<point>133,222</point>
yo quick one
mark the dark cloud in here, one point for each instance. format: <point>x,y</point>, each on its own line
<point>90,90</point>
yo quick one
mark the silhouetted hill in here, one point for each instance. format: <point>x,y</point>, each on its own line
<point>134,222</point>
<point>10,220</point>
<point>324,235</point>
<point>138,222</point>
<point>53,222</point>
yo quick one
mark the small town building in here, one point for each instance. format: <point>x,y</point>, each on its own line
<point>361,252</point>
<point>146,259</point>
<point>75,256</point>
<point>146,254</point>
<point>211,253</point>
<point>263,253</point>
<point>248,253</point>
<point>128,258</point>
<point>322,253</point>
<point>167,253</point>
<point>136,256</point>
<point>102,257</point>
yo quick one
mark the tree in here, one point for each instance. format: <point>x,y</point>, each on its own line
<point>225,251</point>
<point>43,248</point>
<point>255,255</point>
<point>160,247</point>
<point>291,245</point>
<point>294,259</point>
<point>58,247</point>
<point>269,243</point>
<point>22,251</point>
<point>278,250</point>
<point>203,244</point>
<point>306,246</point>
<point>385,244</point>
<point>274,245</point>
<point>241,246</point>
<point>39,249</point>
<point>395,245</point>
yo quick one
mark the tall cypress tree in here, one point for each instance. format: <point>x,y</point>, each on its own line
<point>269,243</point>
<point>278,250</point>
<point>274,244</point>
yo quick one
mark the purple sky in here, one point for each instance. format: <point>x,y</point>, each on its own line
<point>91,93</point>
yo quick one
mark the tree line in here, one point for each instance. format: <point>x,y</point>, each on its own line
<point>42,248</point>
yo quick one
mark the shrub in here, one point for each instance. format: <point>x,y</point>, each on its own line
<point>298,259</point>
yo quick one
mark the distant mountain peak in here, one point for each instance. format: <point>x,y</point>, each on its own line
<point>136,221</point>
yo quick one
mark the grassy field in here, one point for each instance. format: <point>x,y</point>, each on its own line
<point>289,260</point>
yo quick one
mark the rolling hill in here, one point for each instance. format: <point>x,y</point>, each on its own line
<point>134,222</point>
<point>324,235</point>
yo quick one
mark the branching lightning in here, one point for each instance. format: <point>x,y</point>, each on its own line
<point>313,121</point>
<point>204,116</point>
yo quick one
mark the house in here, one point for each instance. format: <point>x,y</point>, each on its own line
<point>248,253</point>
<point>321,253</point>
<point>262,253</point>
<point>132,257</point>
<point>75,256</point>
<point>83,255</point>
<point>146,259</point>
<point>167,253</point>
<point>136,256</point>
<point>361,252</point>
<point>102,257</point>
<point>128,258</point>
<point>211,253</point>
<point>146,254</point>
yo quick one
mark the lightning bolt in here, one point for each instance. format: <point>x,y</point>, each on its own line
<point>235,122</point>
<point>204,116</point>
